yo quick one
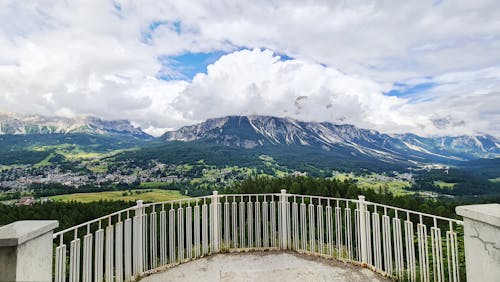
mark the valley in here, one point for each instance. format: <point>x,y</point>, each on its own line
<point>218,153</point>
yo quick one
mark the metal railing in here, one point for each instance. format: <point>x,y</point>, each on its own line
<point>151,237</point>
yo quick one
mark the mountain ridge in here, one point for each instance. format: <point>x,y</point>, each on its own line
<point>21,124</point>
<point>253,131</point>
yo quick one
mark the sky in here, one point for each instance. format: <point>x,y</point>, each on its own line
<point>427,67</point>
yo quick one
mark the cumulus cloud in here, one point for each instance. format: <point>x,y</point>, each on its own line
<point>258,82</point>
<point>103,58</point>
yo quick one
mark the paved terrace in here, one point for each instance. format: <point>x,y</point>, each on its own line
<point>265,266</point>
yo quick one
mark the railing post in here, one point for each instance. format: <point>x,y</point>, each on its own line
<point>482,241</point>
<point>26,250</point>
<point>215,221</point>
<point>362,228</point>
<point>138,244</point>
<point>284,229</point>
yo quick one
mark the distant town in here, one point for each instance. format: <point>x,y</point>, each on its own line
<point>19,181</point>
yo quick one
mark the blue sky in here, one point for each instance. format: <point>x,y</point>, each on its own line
<point>187,65</point>
<point>406,91</point>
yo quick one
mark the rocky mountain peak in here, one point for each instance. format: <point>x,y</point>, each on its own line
<point>15,123</point>
<point>254,131</point>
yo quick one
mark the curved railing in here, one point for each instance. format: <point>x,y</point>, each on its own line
<point>148,238</point>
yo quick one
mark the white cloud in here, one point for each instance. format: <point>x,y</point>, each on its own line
<point>467,100</point>
<point>257,82</point>
<point>90,57</point>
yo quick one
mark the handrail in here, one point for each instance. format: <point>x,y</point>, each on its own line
<point>56,234</point>
<point>342,228</point>
<point>457,221</point>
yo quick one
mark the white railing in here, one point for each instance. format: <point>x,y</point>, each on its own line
<point>151,237</point>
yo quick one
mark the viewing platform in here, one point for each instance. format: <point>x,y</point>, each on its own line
<point>258,237</point>
<point>266,266</point>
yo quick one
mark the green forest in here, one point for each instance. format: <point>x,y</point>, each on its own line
<point>72,213</point>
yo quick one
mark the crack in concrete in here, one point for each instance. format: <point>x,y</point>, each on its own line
<point>484,242</point>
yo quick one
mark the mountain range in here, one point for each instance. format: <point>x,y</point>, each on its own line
<point>20,124</point>
<point>260,131</point>
<point>276,135</point>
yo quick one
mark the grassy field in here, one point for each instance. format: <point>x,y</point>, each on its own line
<point>46,161</point>
<point>156,195</point>
<point>444,185</point>
<point>76,153</point>
<point>150,185</point>
<point>396,187</point>
<point>102,168</point>
<point>371,182</point>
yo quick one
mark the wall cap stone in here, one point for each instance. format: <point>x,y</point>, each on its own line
<point>487,213</point>
<point>19,232</point>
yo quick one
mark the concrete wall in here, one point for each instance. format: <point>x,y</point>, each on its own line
<point>8,261</point>
<point>26,250</point>
<point>482,241</point>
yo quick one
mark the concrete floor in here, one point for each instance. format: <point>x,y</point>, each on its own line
<point>263,267</point>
